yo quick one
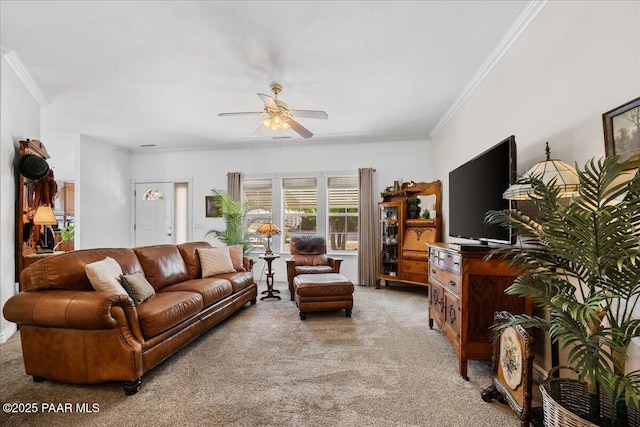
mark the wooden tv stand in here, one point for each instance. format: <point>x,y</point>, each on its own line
<point>465,292</point>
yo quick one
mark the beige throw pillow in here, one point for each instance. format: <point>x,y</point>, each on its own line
<point>215,261</point>
<point>137,286</point>
<point>236,254</point>
<point>105,275</point>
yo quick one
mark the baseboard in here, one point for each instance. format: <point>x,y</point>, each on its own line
<point>8,332</point>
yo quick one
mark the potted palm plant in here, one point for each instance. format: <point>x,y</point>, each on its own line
<point>581,263</point>
<point>233,212</point>
<point>237,225</point>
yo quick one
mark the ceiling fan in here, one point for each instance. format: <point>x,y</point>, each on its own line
<point>280,117</point>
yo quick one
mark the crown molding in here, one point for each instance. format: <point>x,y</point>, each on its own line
<point>527,15</point>
<point>21,71</point>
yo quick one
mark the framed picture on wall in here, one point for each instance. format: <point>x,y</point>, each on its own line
<point>622,131</point>
<point>212,207</point>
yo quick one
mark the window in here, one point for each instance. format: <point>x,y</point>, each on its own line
<point>319,203</point>
<point>153,194</point>
<point>343,203</point>
<point>258,196</point>
<point>300,197</point>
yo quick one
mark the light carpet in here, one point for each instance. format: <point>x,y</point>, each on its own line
<point>263,366</point>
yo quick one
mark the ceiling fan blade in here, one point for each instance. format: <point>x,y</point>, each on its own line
<point>310,114</point>
<point>269,102</point>
<point>246,113</point>
<point>301,130</point>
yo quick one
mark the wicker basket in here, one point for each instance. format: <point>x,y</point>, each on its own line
<point>565,402</point>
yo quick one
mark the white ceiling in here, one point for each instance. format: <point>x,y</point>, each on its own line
<point>142,72</point>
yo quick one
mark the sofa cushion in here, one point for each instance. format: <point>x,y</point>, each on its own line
<point>167,309</point>
<point>319,259</point>
<point>191,259</point>
<point>313,269</point>
<point>212,289</point>
<point>239,280</point>
<point>105,275</point>
<point>66,271</point>
<point>237,255</point>
<point>162,265</point>
<point>215,261</point>
<point>137,286</point>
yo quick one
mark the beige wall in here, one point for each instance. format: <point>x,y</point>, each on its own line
<point>19,120</point>
<point>575,61</point>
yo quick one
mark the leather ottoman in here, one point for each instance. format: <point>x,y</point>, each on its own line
<point>321,292</point>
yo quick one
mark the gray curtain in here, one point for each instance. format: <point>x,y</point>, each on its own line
<point>367,247</point>
<point>234,185</point>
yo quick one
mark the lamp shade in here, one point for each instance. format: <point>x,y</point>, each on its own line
<point>268,229</point>
<point>565,177</point>
<point>44,216</point>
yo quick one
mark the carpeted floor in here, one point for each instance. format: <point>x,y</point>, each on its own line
<point>265,367</point>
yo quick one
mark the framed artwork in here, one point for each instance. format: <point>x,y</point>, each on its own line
<point>212,207</point>
<point>622,131</point>
<point>512,369</point>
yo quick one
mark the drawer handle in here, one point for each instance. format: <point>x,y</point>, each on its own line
<point>452,314</point>
<point>452,283</point>
<point>433,271</point>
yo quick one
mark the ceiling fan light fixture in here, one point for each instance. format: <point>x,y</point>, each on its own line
<point>277,121</point>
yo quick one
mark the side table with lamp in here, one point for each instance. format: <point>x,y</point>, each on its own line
<point>268,229</point>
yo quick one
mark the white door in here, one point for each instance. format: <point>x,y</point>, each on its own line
<point>154,213</point>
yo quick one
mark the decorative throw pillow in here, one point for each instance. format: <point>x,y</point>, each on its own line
<point>105,275</point>
<point>137,286</point>
<point>236,254</point>
<point>215,261</point>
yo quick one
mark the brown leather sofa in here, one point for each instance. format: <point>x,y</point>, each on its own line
<point>73,334</point>
<point>309,256</point>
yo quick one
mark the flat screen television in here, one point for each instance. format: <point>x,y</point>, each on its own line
<point>476,187</point>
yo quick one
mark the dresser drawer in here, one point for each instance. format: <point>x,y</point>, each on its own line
<point>447,279</point>
<point>423,279</point>
<point>421,267</point>
<point>415,256</point>
<point>446,260</point>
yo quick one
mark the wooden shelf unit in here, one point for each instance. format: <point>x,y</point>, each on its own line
<point>403,253</point>
<point>465,292</point>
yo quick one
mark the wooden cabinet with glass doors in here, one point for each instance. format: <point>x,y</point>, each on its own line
<point>403,234</point>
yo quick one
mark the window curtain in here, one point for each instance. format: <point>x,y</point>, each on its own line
<point>234,185</point>
<point>367,254</point>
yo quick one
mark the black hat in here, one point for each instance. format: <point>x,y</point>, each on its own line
<point>33,167</point>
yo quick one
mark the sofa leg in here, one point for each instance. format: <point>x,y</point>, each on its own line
<point>131,388</point>
<point>253,301</point>
<point>303,315</point>
<point>37,379</point>
<point>347,312</point>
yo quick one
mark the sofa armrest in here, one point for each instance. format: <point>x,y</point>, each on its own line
<point>247,263</point>
<point>71,309</point>
<point>335,264</point>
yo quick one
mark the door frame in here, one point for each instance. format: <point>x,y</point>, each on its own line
<point>189,182</point>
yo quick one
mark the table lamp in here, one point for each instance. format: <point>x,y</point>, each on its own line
<point>268,229</point>
<point>44,216</point>
<point>563,175</point>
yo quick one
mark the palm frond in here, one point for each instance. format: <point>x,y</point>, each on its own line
<point>581,262</point>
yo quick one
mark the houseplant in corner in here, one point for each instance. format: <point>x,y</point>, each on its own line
<point>237,226</point>
<point>233,212</point>
<point>581,263</point>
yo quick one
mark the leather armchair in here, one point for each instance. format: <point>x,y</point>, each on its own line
<point>309,256</point>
